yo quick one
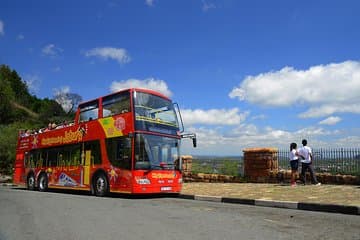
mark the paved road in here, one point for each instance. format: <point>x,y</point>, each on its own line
<point>35,215</point>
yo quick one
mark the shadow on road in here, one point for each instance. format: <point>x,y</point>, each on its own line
<point>110,195</point>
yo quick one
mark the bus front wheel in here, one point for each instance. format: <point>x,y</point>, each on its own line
<point>100,185</point>
<point>43,183</point>
<point>30,182</point>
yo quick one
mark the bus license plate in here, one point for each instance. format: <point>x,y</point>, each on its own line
<point>165,188</point>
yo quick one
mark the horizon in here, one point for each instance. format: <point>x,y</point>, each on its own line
<point>245,74</point>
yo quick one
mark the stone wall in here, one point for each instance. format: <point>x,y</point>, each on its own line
<point>325,178</point>
<point>274,177</point>
<point>259,162</point>
<point>186,164</point>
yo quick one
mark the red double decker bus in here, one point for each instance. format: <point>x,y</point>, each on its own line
<point>126,142</point>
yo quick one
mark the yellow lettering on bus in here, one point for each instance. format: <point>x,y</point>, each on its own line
<point>69,136</point>
<point>163,175</point>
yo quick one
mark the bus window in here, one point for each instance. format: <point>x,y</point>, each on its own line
<point>142,159</point>
<point>43,157</point>
<point>29,160</point>
<point>154,113</point>
<point>66,156</point>
<point>75,156</point>
<point>156,152</point>
<point>37,159</point>
<point>119,152</point>
<point>94,147</point>
<point>116,104</point>
<point>52,157</point>
<point>89,111</point>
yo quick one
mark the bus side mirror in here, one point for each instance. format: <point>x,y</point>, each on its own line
<point>194,142</point>
<point>190,135</point>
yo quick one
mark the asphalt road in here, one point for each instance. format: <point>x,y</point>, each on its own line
<point>53,215</point>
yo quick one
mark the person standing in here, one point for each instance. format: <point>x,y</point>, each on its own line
<point>294,163</point>
<point>306,163</point>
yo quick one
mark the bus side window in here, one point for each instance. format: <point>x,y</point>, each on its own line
<point>27,160</point>
<point>75,156</point>
<point>116,104</point>
<point>52,157</point>
<point>31,160</point>
<point>94,147</point>
<point>43,156</point>
<point>89,111</point>
<point>119,152</point>
<point>38,160</point>
<point>67,156</point>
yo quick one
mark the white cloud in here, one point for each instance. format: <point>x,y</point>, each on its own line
<point>207,6</point>
<point>149,83</point>
<point>118,54</point>
<point>56,69</point>
<point>330,121</point>
<point>213,116</point>
<point>349,141</point>
<point>215,141</point>
<point>326,89</point>
<point>51,50</point>
<point>328,109</point>
<point>2,32</point>
<point>33,82</point>
<point>20,37</point>
<point>259,117</point>
<point>149,2</point>
<point>61,97</point>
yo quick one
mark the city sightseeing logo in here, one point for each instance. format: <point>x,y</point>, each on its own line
<point>69,136</point>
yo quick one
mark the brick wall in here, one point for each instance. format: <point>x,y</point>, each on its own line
<point>186,164</point>
<point>259,162</point>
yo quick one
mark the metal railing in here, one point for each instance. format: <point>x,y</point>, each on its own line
<point>329,160</point>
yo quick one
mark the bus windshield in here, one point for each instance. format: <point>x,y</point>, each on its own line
<point>156,152</point>
<point>154,113</point>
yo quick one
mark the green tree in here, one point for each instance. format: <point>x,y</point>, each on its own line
<point>6,95</point>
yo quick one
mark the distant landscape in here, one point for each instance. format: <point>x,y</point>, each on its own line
<point>333,161</point>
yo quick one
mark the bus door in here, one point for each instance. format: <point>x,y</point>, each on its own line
<point>19,168</point>
<point>86,167</point>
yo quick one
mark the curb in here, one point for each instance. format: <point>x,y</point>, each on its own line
<point>331,208</point>
<point>207,198</point>
<point>277,204</point>
<point>8,185</point>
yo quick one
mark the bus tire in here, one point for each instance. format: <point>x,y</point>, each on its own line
<point>43,182</point>
<point>30,182</point>
<point>101,186</point>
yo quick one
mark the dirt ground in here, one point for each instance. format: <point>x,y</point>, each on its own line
<point>325,194</point>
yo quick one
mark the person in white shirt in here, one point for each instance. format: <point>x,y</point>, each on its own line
<point>306,163</point>
<point>294,162</point>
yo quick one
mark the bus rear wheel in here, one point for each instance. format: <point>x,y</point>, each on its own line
<point>101,185</point>
<point>30,182</point>
<point>43,183</point>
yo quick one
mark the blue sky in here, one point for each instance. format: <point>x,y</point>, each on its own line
<point>245,73</point>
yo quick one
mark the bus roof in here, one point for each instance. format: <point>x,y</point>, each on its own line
<point>131,90</point>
